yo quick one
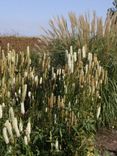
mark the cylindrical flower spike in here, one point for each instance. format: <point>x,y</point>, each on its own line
<point>11,113</point>
<point>9,128</point>
<point>25,140</point>
<point>1,111</point>
<point>84,52</point>
<point>24,91</point>
<point>22,108</point>
<point>98,111</point>
<point>21,125</point>
<point>15,126</point>
<point>41,80</point>
<point>57,145</point>
<point>28,128</point>
<point>5,135</point>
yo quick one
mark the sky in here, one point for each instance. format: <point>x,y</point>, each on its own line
<point>26,17</point>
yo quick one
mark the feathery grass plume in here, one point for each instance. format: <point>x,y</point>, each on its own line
<point>5,135</point>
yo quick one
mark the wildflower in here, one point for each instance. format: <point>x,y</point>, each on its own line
<point>1,111</point>
<point>84,52</point>
<point>79,54</point>
<point>21,125</point>
<point>46,109</point>
<point>25,140</point>
<point>98,111</point>
<point>14,80</point>
<point>90,57</point>
<point>25,74</point>
<point>24,92</point>
<point>75,56</point>
<point>55,118</point>
<point>15,126</point>
<point>19,91</point>
<point>28,51</point>
<point>71,50</point>
<point>57,145</point>
<point>3,105</point>
<point>9,128</point>
<point>11,113</point>
<point>36,80</point>
<point>15,94</point>
<point>41,80</point>
<point>28,128</point>
<point>54,75</point>
<point>29,94</point>
<point>86,68</point>
<point>22,108</point>
<point>5,135</point>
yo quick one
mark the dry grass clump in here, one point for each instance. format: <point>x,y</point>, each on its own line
<point>81,29</point>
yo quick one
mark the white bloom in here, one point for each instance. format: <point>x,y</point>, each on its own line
<point>36,79</point>
<point>9,128</point>
<point>75,56</point>
<point>24,92</point>
<point>3,104</point>
<point>46,109</point>
<point>5,135</point>
<point>41,80</point>
<point>1,111</point>
<point>54,75</point>
<point>86,68</point>
<point>8,94</point>
<point>15,126</point>
<point>25,140</point>
<point>28,55</point>
<point>98,111</point>
<point>19,91</point>
<point>28,128</point>
<point>21,125</point>
<point>55,118</point>
<point>14,80</point>
<point>29,94</point>
<point>90,57</point>
<point>71,50</point>
<point>22,108</point>
<point>84,51</point>
<point>57,145</point>
<point>11,113</point>
<point>25,74</point>
<point>15,94</point>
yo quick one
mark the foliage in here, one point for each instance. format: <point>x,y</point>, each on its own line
<point>52,102</point>
<point>54,111</point>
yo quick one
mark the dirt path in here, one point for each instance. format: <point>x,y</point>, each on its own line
<point>106,140</point>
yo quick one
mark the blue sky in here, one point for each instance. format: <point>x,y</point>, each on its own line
<point>26,16</point>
